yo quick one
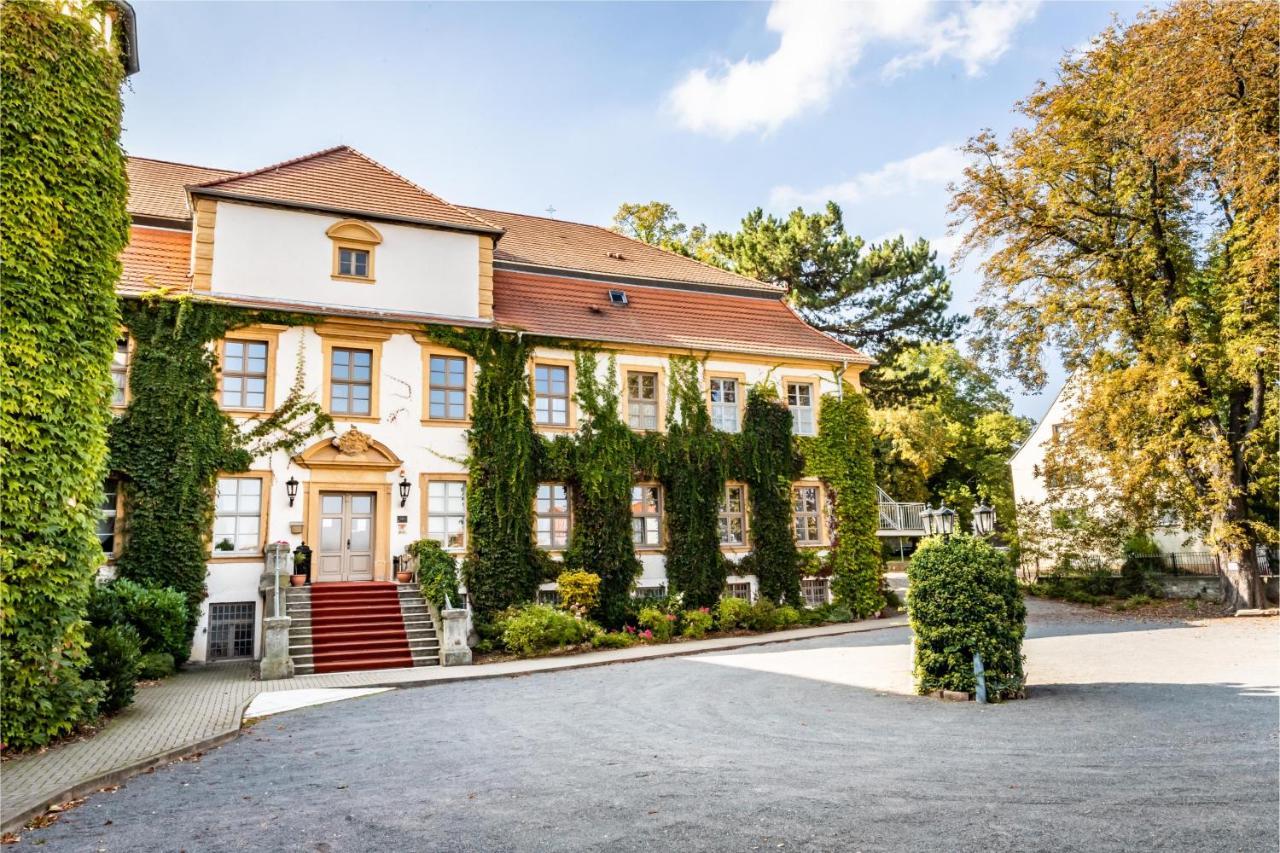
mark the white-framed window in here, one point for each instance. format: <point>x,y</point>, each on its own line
<point>109,516</point>
<point>447,513</point>
<point>120,373</point>
<point>646,515</point>
<point>351,381</point>
<point>447,394</point>
<point>738,589</point>
<point>642,401</point>
<point>805,514</point>
<point>551,394</point>
<point>353,262</point>
<point>244,374</point>
<point>237,522</point>
<point>551,515</point>
<point>650,592</point>
<point>548,596</point>
<point>815,591</point>
<point>733,515</point>
<point>800,402</point>
<point>724,403</point>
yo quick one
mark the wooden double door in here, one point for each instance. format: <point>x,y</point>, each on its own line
<point>347,522</point>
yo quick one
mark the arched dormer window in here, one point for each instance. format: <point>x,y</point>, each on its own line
<point>354,244</point>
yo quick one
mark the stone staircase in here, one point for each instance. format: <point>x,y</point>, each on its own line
<point>353,626</point>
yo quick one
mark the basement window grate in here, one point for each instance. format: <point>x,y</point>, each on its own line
<point>231,630</point>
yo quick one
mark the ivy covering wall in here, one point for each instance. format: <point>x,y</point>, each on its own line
<point>840,456</point>
<point>173,439</point>
<point>62,225</point>
<point>769,462</point>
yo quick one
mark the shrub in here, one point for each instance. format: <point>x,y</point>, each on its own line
<point>538,628</point>
<point>437,572</point>
<point>835,612</point>
<point>891,599</point>
<point>763,616</point>
<point>114,655</point>
<point>660,623</point>
<point>697,623</point>
<point>731,613</point>
<point>579,592</point>
<point>1138,600</point>
<point>1136,574</point>
<point>787,616</point>
<point>154,665</point>
<point>158,614</point>
<point>610,640</point>
<point>963,598</point>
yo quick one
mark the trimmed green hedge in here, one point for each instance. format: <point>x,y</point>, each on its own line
<point>62,227</point>
<point>963,597</point>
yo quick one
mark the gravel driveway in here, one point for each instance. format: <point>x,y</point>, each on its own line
<point>682,754</point>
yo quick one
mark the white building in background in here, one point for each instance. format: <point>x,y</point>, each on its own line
<point>374,258</point>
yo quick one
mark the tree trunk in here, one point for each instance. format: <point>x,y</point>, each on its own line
<point>1242,582</point>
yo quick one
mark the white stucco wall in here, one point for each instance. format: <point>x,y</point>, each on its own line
<point>285,254</point>
<point>424,449</point>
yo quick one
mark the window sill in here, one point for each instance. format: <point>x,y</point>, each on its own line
<point>355,279</point>
<point>246,557</point>
<point>446,422</point>
<point>363,419</point>
<point>735,549</point>
<point>555,428</point>
<point>240,410</point>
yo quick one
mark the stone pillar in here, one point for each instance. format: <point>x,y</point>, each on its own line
<point>454,650</point>
<point>276,662</point>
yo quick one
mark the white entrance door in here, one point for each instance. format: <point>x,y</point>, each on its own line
<point>346,536</point>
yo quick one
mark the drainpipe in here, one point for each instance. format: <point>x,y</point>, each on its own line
<point>844,367</point>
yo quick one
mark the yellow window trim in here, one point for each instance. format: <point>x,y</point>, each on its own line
<point>568,497</point>
<point>128,368</point>
<point>662,519</point>
<point>341,338</point>
<point>823,539</point>
<point>118,529</point>
<point>428,350</point>
<point>426,479</point>
<point>746,516</point>
<point>814,382</point>
<point>357,236</point>
<point>270,335</point>
<point>264,516</point>
<point>741,379</point>
<point>626,370</point>
<point>572,406</point>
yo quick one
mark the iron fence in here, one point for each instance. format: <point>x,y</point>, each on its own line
<point>1179,563</point>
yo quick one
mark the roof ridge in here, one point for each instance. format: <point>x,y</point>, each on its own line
<point>273,166</point>
<point>754,281</point>
<point>179,163</point>
<point>419,187</point>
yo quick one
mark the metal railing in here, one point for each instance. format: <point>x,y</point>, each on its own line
<point>901,518</point>
<point>1180,563</point>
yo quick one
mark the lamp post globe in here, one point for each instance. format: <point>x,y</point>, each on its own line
<point>927,520</point>
<point>945,520</point>
<point>984,520</point>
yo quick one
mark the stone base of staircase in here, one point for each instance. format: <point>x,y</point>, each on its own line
<point>356,631</point>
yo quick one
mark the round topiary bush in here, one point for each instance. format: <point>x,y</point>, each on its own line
<point>963,597</point>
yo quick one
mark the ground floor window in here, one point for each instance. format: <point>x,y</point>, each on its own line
<point>552,515</point>
<point>548,596</point>
<point>733,516</point>
<point>109,516</point>
<point>739,589</point>
<point>650,592</point>
<point>814,591</point>
<point>646,516</point>
<point>231,630</point>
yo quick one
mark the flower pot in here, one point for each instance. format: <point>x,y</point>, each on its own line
<point>297,580</point>
<point>404,577</point>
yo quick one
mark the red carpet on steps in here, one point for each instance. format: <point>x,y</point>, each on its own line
<point>357,626</point>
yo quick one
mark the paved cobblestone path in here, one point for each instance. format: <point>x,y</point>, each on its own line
<point>689,754</point>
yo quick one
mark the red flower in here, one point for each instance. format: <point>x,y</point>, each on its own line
<point>671,617</point>
<point>647,634</point>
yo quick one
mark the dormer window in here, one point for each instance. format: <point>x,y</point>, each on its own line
<point>618,297</point>
<point>354,244</point>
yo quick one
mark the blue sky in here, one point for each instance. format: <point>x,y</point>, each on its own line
<point>715,107</point>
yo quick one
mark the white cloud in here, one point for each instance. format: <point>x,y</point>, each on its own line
<point>930,169</point>
<point>819,45</point>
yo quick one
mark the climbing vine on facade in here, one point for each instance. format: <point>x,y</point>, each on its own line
<point>64,224</point>
<point>769,462</point>
<point>841,456</point>
<point>174,440</point>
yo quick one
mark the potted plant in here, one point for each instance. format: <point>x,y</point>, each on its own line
<point>403,574</point>
<point>299,577</point>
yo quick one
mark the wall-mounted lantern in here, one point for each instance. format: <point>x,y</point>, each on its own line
<point>404,490</point>
<point>291,489</point>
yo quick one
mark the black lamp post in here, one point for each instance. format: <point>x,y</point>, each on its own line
<point>945,521</point>
<point>291,489</point>
<point>404,490</point>
<point>984,520</point>
<point>927,520</point>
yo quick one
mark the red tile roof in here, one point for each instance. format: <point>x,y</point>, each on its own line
<point>155,257</point>
<point>343,179</point>
<point>157,187</point>
<point>553,243</point>
<point>659,316</point>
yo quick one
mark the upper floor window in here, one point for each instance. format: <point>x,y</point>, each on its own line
<point>447,513</point>
<point>551,515</point>
<point>646,515</point>
<point>350,381</point>
<point>237,522</point>
<point>354,244</point>
<point>724,403</point>
<point>800,402</point>
<point>109,516</point>
<point>447,391</point>
<point>244,374</point>
<point>733,516</point>
<point>551,394</point>
<point>120,373</point>
<point>642,400</point>
<point>805,514</point>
